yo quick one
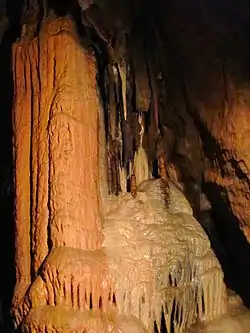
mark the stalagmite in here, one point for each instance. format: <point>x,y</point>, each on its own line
<point>141,168</point>
<point>55,149</point>
<point>123,179</point>
<point>141,165</point>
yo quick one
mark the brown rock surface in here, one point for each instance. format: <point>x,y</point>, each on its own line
<point>211,55</point>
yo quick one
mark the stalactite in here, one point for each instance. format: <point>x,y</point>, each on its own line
<point>122,66</point>
<point>122,84</point>
<point>124,127</point>
<point>112,112</point>
<point>128,139</point>
<point>141,80</point>
<point>141,168</point>
<point>103,159</point>
<point>115,136</point>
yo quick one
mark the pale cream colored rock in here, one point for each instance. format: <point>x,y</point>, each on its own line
<point>65,320</point>
<point>236,320</point>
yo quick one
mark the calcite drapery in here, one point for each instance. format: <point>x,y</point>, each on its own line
<point>55,122</point>
<point>161,260</point>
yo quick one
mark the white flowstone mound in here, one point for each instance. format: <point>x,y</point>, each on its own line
<point>161,259</point>
<point>155,259</point>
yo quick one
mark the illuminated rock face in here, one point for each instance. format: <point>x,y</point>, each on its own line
<point>55,122</point>
<point>161,260</point>
<point>154,258</point>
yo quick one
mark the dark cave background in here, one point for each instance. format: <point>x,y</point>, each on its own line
<point>194,34</point>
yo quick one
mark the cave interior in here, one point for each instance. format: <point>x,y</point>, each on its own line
<point>188,79</point>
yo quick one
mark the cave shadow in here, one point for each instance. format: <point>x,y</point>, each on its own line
<point>237,249</point>
<point>235,254</point>
<point>235,259</point>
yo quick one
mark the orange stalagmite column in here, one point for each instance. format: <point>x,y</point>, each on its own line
<point>55,122</point>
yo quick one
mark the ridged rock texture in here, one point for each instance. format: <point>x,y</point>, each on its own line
<point>155,258</point>
<point>55,122</point>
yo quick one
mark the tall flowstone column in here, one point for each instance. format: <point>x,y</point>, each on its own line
<point>55,125</point>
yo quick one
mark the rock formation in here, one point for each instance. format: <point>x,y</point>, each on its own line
<point>130,155</point>
<point>87,261</point>
<point>55,122</point>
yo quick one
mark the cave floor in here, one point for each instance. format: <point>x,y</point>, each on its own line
<point>237,320</point>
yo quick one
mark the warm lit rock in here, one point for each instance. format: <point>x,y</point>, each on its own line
<point>55,123</point>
